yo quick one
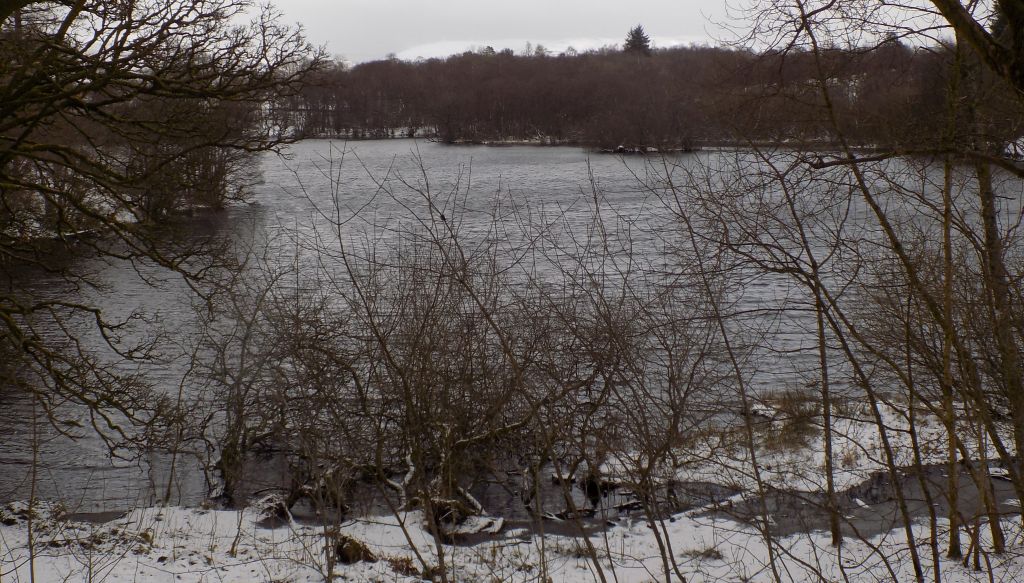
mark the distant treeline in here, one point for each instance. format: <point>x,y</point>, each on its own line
<point>890,96</point>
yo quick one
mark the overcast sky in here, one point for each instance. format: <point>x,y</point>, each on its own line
<point>363,30</point>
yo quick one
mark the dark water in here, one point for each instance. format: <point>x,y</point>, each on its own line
<point>871,507</point>
<point>537,185</point>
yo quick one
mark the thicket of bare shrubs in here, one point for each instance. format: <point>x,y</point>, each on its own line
<point>457,341</point>
<point>582,355</point>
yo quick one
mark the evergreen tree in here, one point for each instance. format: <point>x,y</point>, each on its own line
<point>638,41</point>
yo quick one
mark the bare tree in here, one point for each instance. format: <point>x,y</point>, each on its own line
<point>117,115</point>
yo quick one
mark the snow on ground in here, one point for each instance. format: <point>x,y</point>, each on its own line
<point>205,545</point>
<point>197,545</point>
<point>858,450</point>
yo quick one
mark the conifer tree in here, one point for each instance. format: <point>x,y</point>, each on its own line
<point>638,41</point>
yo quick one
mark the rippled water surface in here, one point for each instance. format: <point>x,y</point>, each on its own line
<point>537,185</point>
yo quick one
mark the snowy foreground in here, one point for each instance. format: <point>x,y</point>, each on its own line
<point>205,545</point>
<point>179,544</point>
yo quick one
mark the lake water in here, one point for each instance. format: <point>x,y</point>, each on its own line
<point>535,185</point>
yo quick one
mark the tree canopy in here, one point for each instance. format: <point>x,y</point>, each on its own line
<point>115,114</point>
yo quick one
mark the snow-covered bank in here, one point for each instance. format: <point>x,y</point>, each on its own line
<point>710,543</point>
<point>197,545</point>
<point>796,460</point>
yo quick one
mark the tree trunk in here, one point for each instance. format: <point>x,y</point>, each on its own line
<point>997,282</point>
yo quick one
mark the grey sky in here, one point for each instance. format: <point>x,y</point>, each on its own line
<point>361,30</point>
